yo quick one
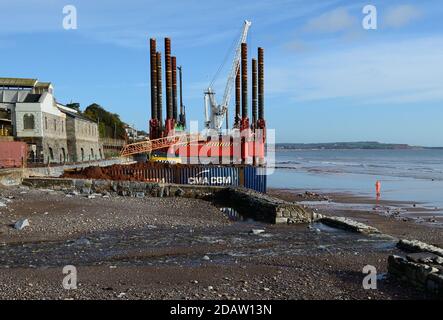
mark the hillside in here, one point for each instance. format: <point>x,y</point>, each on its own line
<point>348,145</point>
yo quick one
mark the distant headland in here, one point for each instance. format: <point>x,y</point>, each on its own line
<point>371,145</point>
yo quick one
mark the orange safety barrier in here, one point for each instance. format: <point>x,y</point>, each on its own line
<point>157,144</point>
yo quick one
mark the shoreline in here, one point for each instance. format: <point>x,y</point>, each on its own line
<point>397,218</point>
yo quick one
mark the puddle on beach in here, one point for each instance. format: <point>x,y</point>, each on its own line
<point>182,246</point>
<point>420,214</point>
<point>235,215</point>
<point>243,215</point>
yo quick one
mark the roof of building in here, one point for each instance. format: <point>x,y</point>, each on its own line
<point>44,85</point>
<point>64,107</point>
<point>7,96</point>
<point>74,114</point>
<point>18,82</point>
<point>32,98</point>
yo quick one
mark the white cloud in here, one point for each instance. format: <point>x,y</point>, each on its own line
<point>405,71</point>
<point>330,22</point>
<point>401,16</point>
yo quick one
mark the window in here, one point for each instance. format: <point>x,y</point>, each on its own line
<point>46,123</point>
<point>55,124</point>
<point>51,154</point>
<point>28,122</point>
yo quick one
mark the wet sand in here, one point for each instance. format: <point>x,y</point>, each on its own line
<point>407,220</point>
<point>175,248</point>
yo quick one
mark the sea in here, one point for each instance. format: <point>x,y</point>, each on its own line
<point>412,175</point>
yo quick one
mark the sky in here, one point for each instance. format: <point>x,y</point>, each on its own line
<point>327,78</point>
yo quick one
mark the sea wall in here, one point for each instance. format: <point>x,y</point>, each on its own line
<point>121,188</point>
<point>264,207</point>
<point>256,205</point>
<point>57,171</point>
<point>348,224</point>
<point>14,176</point>
<point>11,177</point>
<point>422,268</point>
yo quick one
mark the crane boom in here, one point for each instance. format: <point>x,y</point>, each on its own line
<point>235,65</point>
<point>215,120</point>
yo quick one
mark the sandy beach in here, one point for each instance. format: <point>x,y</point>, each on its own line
<point>176,248</point>
<point>400,219</point>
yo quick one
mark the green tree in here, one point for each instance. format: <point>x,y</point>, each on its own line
<point>110,125</point>
<point>74,105</point>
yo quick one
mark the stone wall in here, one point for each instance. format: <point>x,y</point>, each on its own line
<point>86,130</point>
<point>122,188</point>
<point>421,268</point>
<point>263,207</point>
<point>112,147</point>
<point>17,119</point>
<point>347,224</point>
<point>58,170</point>
<point>252,204</point>
<point>54,126</point>
<point>83,140</point>
<point>59,149</point>
<point>48,134</point>
<point>87,151</point>
<point>418,246</point>
<point>70,134</point>
<point>11,177</point>
<point>43,147</point>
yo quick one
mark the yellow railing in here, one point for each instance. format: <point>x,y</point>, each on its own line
<point>4,132</point>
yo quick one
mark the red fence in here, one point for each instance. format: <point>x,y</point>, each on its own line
<point>13,154</point>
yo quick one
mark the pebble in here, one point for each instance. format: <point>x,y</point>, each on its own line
<point>21,224</point>
<point>82,241</point>
<point>256,231</point>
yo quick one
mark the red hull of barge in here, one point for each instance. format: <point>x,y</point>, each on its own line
<point>222,149</point>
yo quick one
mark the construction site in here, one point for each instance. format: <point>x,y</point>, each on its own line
<point>219,155</point>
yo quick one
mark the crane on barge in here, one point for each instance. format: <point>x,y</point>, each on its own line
<point>215,113</point>
<point>169,134</point>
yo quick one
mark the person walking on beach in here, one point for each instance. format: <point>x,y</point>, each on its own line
<point>378,188</point>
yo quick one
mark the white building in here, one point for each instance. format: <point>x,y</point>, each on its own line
<point>30,113</point>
